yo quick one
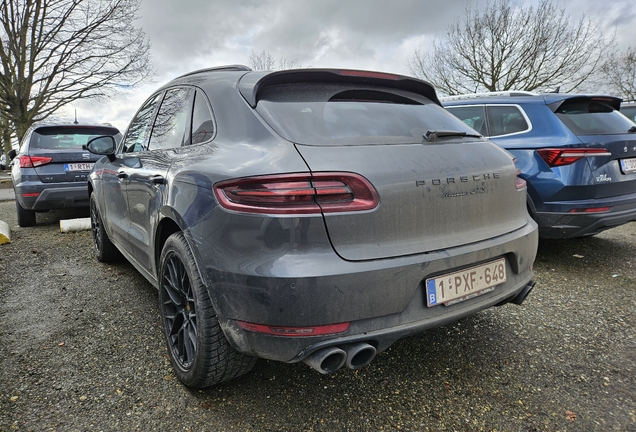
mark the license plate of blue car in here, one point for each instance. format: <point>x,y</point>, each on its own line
<point>83,166</point>
<point>628,166</point>
<point>455,287</point>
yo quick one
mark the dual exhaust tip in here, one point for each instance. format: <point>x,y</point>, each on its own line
<point>330,359</point>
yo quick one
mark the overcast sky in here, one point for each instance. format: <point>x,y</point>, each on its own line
<point>363,34</point>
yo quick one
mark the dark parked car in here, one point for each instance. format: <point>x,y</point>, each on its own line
<point>308,215</point>
<point>51,168</point>
<point>628,109</point>
<point>577,153</point>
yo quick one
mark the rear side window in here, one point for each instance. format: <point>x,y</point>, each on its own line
<point>590,117</point>
<point>473,116</point>
<point>506,120</point>
<point>629,112</point>
<point>341,114</point>
<point>202,123</point>
<point>66,138</point>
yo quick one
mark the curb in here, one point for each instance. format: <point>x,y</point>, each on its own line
<point>5,233</point>
<point>71,225</point>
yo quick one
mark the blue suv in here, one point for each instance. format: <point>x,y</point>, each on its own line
<point>577,154</point>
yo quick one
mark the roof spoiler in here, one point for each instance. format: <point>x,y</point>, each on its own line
<point>612,101</point>
<point>251,84</point>
<point>236,67</point>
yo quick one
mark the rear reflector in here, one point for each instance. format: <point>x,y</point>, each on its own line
<point>297,193</point>
<point>519,182</point>
<point>294,331</point>
<point>560,157</point>
<point>33,161</point>
<point>591,210</point>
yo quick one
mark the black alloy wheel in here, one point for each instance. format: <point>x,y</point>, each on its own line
<point>199,352</point>
<point>179,311</point>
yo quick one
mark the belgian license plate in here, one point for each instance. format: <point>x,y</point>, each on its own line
<point>83,166</point>
<point>628,166</point>
<point>459,286</point>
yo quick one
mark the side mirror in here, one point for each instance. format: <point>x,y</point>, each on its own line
<point>102,145</point>
<point>11,154</point>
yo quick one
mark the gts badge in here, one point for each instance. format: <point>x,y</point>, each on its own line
<point>603,178</point>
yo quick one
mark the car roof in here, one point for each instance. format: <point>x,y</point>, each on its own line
<point>250,83</point>
<point>524,98</point>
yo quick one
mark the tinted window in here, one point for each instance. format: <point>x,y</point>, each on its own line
<point>506,120</point>
<point>473,116</point>
<point>339,114</point>
<point>202,123</point>
<point>137,134</point>
<point>589,117</point>
<point>64,138</point>
<point>171,124</point>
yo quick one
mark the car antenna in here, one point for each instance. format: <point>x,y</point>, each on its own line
<point>75,122</point>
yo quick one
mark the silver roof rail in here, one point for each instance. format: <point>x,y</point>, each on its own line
<point>488,94</point>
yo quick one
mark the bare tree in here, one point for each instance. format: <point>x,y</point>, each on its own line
<point>505,46</point>
<point>53,52</point>
<point>620,72</point>
<point>265,61</point>
<point>5,137</point>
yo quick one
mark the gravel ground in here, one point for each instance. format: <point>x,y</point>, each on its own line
<point>81,350</point>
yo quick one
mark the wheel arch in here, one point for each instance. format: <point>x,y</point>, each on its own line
<point>169,224</point>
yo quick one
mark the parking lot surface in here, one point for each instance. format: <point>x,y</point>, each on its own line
<point>81,349</point>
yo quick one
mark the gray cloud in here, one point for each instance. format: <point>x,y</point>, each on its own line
<point>365,34</point>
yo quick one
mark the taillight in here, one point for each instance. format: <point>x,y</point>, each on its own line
<point>294,331</point>
<point>560,157</point>
<point>298,193</point>
<point>33,161</point>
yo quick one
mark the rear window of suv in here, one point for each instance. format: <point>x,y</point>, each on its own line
<point>64,138</point>
<point>340,114</point>
<point>592,117</point>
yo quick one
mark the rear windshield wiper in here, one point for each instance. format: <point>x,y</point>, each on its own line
<point>632,129</point>
<point>432,135</point>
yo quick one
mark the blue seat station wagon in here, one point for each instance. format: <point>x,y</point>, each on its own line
<point>577,154</point>
<point>307,215</point>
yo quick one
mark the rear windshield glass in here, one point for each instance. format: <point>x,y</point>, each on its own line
<point>62,138</point>
<point>339,114</point>
<point>590,117</point>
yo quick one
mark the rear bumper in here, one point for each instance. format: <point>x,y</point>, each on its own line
<point>384,300</point>
<point>561,224</point>
<point>52,195</point>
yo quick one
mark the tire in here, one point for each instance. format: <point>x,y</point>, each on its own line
<point>26,218</point>
<point>199,352</point>
<point>104,249</point>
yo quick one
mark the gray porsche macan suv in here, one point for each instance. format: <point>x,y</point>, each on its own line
<point>308,215</point>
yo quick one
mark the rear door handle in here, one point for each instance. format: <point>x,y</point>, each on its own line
<point>157,179</point>
<point>122,174</point>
